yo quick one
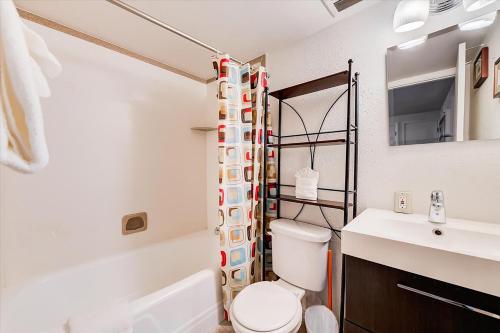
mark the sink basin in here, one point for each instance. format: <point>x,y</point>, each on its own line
<point>461,252</point>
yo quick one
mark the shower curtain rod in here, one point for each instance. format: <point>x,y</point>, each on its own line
<point>163,25</point>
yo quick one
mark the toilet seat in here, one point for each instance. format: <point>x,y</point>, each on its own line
<point>266,307</point>
<point>290,328</point>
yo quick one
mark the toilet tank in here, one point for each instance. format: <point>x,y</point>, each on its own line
<point>300,253</point>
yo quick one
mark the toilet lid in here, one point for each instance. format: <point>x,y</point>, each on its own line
<point>264,307</point>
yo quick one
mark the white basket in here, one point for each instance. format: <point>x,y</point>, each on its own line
<point>319,319</point>
<point>306,184</point>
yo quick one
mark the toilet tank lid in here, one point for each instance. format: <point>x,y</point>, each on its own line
<point>299,230</point>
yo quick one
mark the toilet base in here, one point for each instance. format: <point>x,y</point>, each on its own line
<point>295,330</point>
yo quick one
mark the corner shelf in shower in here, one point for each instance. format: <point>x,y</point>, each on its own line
<point>349,139</point>
<point>204,129</point>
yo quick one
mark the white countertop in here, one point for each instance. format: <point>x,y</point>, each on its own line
<point>466,254</point>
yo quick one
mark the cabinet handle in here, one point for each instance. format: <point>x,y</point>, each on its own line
<point>449,301</point>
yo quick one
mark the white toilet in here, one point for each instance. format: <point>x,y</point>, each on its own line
<point>299,254</point>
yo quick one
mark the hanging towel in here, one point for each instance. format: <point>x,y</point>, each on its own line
<point>24,62</point>
<point>114,318</point>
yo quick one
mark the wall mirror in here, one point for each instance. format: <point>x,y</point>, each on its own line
<point>445,86</point>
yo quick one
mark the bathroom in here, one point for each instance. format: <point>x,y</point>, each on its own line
<point>113,208</point>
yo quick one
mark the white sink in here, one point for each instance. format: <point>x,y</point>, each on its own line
<point>467,253</point>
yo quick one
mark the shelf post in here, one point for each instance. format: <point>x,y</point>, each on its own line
<point>278,180</point>
<point>356,133</point>
<point>346,189</point>
<point>348,145</point>
<point>264,182</point>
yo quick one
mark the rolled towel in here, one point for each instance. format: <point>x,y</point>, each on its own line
<point>114,318</point>
<point>25,60</point>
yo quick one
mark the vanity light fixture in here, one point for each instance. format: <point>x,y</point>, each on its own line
<point>472,5</point>
<point>478,22</point>
<point>410,15</point>
<point>412,43</point>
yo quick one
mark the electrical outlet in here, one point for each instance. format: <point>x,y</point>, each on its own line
<point>403,202</point>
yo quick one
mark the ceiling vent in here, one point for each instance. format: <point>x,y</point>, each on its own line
<point>344,4</point>
<point>439,6</point>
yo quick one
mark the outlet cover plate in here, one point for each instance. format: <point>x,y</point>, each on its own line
<point>403,202</point>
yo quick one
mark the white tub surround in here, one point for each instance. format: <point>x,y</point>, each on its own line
<point>112,140</point>
<point>467,253</point>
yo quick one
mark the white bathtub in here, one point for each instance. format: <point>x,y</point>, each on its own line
<point>171,287</point>
<point>188,306</point>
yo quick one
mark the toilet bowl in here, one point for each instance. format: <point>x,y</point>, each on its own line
<point>299,258</point>
<point>271,307</point>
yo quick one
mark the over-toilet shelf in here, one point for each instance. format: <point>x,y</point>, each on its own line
<point>327,82</point>
<point>204,129</point>
<point>335,142</point>
<point>320,202</point>
<point>346,137</point>
<point>353,128</point>
<point>322,188</point>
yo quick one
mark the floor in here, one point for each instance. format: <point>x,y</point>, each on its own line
<point>225,327</point>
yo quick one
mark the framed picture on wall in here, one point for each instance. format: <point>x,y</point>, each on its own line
<point>496,81</point>
<point>481,67</point>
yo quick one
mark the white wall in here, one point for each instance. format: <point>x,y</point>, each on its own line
<point>467,172</point>
<point>119,136</point>
<point>485,110</point>
<point>383,169</point>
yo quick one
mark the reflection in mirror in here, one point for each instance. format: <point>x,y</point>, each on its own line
<point>444,87</point>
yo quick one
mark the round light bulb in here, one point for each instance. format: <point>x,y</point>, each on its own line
<point>472,5</point>
<point>410,15</point>
<point>478,22</point>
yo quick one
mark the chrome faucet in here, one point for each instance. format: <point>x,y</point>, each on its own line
<point>436,211</point>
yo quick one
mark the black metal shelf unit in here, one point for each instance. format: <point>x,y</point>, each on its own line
<point>344,78</point>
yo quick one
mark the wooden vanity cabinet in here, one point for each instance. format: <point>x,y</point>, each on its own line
<point>381,299</point>
<point>352,328</point>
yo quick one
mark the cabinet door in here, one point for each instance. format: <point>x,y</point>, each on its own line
<point>351,328</point>
<point>382,299</point>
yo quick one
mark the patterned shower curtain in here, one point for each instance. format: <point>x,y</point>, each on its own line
<point>240,134</point>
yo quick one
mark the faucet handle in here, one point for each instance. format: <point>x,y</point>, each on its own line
<point>437,196</point>
<point>436,211</point>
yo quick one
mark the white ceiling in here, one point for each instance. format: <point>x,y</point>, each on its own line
<point>245,29</point>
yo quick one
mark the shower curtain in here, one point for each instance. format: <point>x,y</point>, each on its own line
<point>240,134</point>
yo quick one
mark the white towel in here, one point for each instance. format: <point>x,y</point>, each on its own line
<point>24,59</point>
<point>114,318</point>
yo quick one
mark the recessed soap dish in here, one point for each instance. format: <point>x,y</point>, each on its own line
<point>133,223</point>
